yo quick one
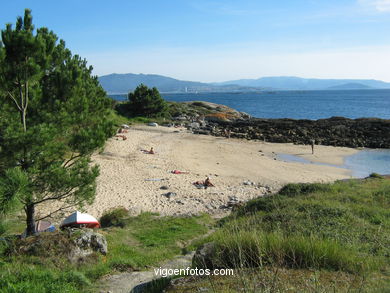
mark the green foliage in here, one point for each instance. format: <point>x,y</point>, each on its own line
<point>147,102</point>
<point>294,189</point>
<point>256,249</point>
<point>30,279</point>
<point>342,226</point>
<point>144,241</point>
<point>53,115</point>
<point>148,239</point>
<point>114,218</point>
<point>376,175</point>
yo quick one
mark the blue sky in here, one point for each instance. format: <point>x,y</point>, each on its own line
<point>221,40</point>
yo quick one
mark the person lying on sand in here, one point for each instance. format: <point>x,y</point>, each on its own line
<point>150,152</point>
<point>208,183</point>
<point>121,136</point>
<point>204,184</point>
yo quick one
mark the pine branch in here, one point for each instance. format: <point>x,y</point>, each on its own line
<point>16,102</point>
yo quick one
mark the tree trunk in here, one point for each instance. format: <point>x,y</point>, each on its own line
<point>30,219</point>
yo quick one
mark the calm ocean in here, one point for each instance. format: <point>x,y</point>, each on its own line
<point>310,105</point>
<point>298,104</point>
<point>301,104</point>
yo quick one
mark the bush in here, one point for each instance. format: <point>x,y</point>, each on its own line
<point>375,175</point>
<point>147,102</point>
<point>114,218</point>
<point>294,189</point>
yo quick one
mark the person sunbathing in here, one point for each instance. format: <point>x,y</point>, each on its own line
<point>121,136</point>
<point>208,183</point>
<point>204,184</point>
<point>151,151</point>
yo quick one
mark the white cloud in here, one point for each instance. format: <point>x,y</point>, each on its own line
<point>379,5</point>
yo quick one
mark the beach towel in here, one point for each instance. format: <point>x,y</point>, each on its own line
<point>180,172</point>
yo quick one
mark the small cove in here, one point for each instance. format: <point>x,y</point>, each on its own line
<point>361,164</point>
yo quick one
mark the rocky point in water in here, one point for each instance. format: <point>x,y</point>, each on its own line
<point>220,120</point>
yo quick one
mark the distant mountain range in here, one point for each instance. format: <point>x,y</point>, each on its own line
<point>297,83</point>
<point>123,83</point>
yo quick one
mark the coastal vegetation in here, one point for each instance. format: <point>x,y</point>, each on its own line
<point>336,233</point>
<point>307,237</point>
<point>53,115</point>
<point>145,102</point>
<point>138,243</point>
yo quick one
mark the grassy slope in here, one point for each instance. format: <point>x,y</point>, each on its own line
<point>144,241</point>
<point>324,236</point>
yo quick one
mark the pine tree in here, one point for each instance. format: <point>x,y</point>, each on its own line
<point>147,102</point>
<point>52,117</point>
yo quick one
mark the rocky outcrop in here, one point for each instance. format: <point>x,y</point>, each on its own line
<point>86,243</point>
<point>219,120</point>
<point>72,244</point>
<point>335,131</point>
<point>204,112</point>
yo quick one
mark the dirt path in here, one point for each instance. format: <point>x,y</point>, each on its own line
<point>135,282</point>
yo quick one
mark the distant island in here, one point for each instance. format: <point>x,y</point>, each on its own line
<point>350,86</point>
<point>123,83</point>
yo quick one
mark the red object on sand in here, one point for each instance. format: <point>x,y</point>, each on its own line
<point>179,172</point>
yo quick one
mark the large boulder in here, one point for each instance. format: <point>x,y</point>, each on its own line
<point>88,242</point>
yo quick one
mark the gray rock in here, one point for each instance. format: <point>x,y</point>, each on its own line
<point>248,182</point>
<point>164,187</point>
<point>195,125</point>
<point>87,242</point>
<point>169,194</point>
<point>180,118</point>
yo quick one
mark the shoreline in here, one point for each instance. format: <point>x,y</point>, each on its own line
<point>240,170</point>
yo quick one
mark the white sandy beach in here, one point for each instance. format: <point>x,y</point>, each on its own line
<point>124,170</point>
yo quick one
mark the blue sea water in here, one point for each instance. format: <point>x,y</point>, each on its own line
<point>310,105</point>
<point>297,104</point>
<point>366,162</point>
<point>300,104</point>
<point>361,164</point>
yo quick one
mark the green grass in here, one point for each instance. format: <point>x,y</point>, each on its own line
<point>307,238</point>
<point>339,228</point>
<point>276,279</point>
<point>149,239</point>
<point>145,240</point>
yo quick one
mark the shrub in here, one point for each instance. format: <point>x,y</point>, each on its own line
<point>295,189</point>
<point>375,175</point>
<point>114,218</point>
<point>255,249</point>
